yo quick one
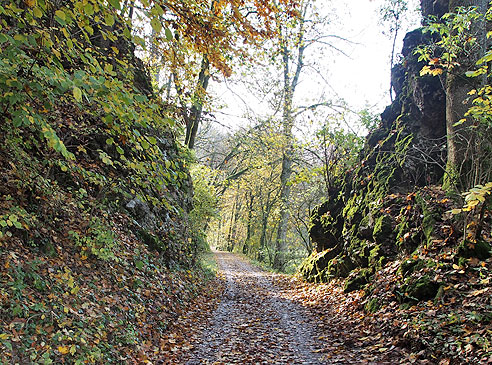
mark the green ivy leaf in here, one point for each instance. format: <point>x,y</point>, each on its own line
<point>115,3</point>
<point>37,12</point>
<point>60,14</point>
<point>77,94</point>
<point>140,98</point>
<point>89,9</point>
<point>157,9</point>
<point>109,20</point>
<point>156,25</point>
<point>60,17</point>
<point>145,144</point>
<point>139,264</point>
<point>169,34</point>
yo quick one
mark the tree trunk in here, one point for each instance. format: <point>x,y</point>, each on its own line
<point>460,138</point>
<point>249,223</point>
<point>193,120</point>
<point>290,84</point>
<point>230,245</point>
<point>264,226</point>
<point>281,242</point>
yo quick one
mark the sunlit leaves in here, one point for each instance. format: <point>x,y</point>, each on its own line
<point>115,4</point>
<point>156,25</point>
<point>60,16</point>
<point>475,197</point>
<point>169,34</point>
<point>37,12</point>
<point>63,350</point>
<point>427,70</point>
<point>109,19</point>
<point>77,94</point>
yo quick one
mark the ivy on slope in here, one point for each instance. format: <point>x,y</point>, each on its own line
<point>84,275</point>
<point>81,131</point>
<point>69,309</point>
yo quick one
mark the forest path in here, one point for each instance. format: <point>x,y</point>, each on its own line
<point>253,323</point>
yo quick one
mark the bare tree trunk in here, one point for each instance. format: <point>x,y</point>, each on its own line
<point>264,226</point>
<point>230,245</point>
<point>290,84</point>
<point>193,120</point>
<point>249,223</point>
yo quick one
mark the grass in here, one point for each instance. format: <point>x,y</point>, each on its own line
<point>208,264</point>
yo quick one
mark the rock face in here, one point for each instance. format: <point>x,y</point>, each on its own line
<point>434,7</point>
<point>89,163</point>
<point>355,231</point>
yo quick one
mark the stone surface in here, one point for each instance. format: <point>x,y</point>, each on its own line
<point>407,150</point>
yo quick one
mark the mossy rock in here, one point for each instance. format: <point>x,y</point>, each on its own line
<point>481,249</point>
<point>358,280</point>
<point>366,226</point>
<point>372,305</point>
<point>315,268</point>
<point>359,251</point>
<point>410,265</point>
<point>382,228</point>
<point>341,266</point>
<point>376,260</point>
<point>429,218</point>
<point>421,289</point>
<point>150,240</point>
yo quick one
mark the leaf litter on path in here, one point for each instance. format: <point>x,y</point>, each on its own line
<point>267,318</point>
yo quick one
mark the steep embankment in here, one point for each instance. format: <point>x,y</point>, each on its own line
<point>96,254</point>
<point>388,229</point>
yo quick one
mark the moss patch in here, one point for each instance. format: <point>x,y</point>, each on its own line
<point>372,305</point>
<point>422,288</point>
<point>357,281</point>
<point>481,249</point>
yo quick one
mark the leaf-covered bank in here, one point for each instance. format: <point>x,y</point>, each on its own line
<point>65,308</point>
<point>97,253</point>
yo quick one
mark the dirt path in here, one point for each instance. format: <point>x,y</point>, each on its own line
<point>253,324</point>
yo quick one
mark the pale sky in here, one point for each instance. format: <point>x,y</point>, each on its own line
<point>361,79</point>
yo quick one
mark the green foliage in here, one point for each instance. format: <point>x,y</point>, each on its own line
<point>209,264</point>
<point>338,150</point>
<point>475,198</point>
<point>97,240</point>
<point>369,120</point>
<point>82,129</point>
<point>372,305</point>
<point>477,204</point>
<point>204,197</point>
<point>16,218</point>
<point>455,38</point>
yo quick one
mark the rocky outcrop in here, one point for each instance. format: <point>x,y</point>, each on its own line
<point>364,222</point>
<point>435,8</point>
<point>100,144</point>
